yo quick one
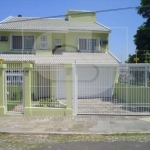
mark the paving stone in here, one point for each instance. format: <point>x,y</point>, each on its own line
<point>143,125</point>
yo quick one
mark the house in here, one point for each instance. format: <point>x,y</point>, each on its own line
<point>78,31</point>
<point>49,44</point>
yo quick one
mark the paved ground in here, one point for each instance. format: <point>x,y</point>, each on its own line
<point>109,106</point>
<point>76,124</point>
<point>98,146</point>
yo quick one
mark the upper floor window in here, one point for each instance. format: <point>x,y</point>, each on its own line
<point>86,44</point>
<point>43,42</point>
<point>22,42</point>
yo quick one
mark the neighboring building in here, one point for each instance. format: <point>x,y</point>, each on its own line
<point>78,32</point>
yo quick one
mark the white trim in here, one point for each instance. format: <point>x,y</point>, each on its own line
<point>53,31</point>
<point>27,30</point>
<point>114,56</point>
<point>103,26</point>
<point>5,20</point>
<point>88,31</point>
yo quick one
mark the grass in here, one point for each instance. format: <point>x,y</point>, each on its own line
<point>28,141</point>
<point>11,106</point>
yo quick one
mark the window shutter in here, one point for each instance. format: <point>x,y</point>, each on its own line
<point>43,42</point>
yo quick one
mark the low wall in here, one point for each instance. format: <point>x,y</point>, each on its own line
<point>132,93</point>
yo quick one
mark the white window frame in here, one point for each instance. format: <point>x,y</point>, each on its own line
<point>11,41</point>
<point>43,42</point>
<point>88,38</point>
<point>13,73</point>
<point>58,42</point>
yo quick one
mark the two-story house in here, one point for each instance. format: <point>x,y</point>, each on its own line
<point>77,32</point>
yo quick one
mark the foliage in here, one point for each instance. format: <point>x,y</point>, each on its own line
<point>49,102</point>
<point>14,96</point>
<point>142,36</point>
<point>11,106</point>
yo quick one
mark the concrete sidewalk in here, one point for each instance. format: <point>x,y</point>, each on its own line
<point>75,124</point>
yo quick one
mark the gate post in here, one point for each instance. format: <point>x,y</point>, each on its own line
<point>2,88</point>
<point>69,88</point>
<point>27,88</point>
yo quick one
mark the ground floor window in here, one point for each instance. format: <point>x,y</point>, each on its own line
<point>14,76</point>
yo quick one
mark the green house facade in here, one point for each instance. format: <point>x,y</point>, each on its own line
<point>77,32</point>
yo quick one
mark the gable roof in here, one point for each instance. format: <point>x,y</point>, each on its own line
<point>49,24</point>
<point>79,58</point>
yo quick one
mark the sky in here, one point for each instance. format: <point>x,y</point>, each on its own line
<point>123,24</point>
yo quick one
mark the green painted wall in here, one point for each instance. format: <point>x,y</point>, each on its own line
<point>61,36</point>
<point>132,94</point>
<point>5,45</point>
<point>86,17</point>
<point>72,39</point>
<point>69,41</point>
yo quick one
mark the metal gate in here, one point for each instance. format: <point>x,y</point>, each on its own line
<point>14,90</point>
<point>122,89</point>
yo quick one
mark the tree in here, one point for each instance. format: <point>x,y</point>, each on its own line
<point>142,36</point>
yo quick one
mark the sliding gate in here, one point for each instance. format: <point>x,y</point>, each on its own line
<point>112,89</point>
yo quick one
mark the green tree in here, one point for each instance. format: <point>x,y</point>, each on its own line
<point>142,36</point>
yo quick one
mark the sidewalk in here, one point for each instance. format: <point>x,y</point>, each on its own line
<point>75,124</point>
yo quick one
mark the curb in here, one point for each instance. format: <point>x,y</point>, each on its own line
<point>72,133</point>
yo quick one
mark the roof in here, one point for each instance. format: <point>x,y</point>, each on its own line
<point>49,24</point>
<point>79,58</point>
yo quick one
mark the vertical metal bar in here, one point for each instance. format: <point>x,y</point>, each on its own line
<point>145,76</point>
<point>75,89</point>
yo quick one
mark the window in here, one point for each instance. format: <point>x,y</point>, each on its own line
<point>88,44</point>
<point>57,42</point>
<point>22,42</point>
<point>43,42</point>
<point>14,76</point>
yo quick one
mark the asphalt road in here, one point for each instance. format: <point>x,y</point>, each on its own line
<point>98,146</point>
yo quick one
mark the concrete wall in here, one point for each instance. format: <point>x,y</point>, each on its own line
<point>29,80</point>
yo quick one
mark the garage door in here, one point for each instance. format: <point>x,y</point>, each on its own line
<point>95,82</point>
<point>61,83</point>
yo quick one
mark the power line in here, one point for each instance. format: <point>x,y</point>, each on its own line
<point>99,11</point>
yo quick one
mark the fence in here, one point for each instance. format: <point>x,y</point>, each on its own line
<point>66,89</point>
<point>113,89</point>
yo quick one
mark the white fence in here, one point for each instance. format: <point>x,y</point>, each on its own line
<point>112,89</point>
